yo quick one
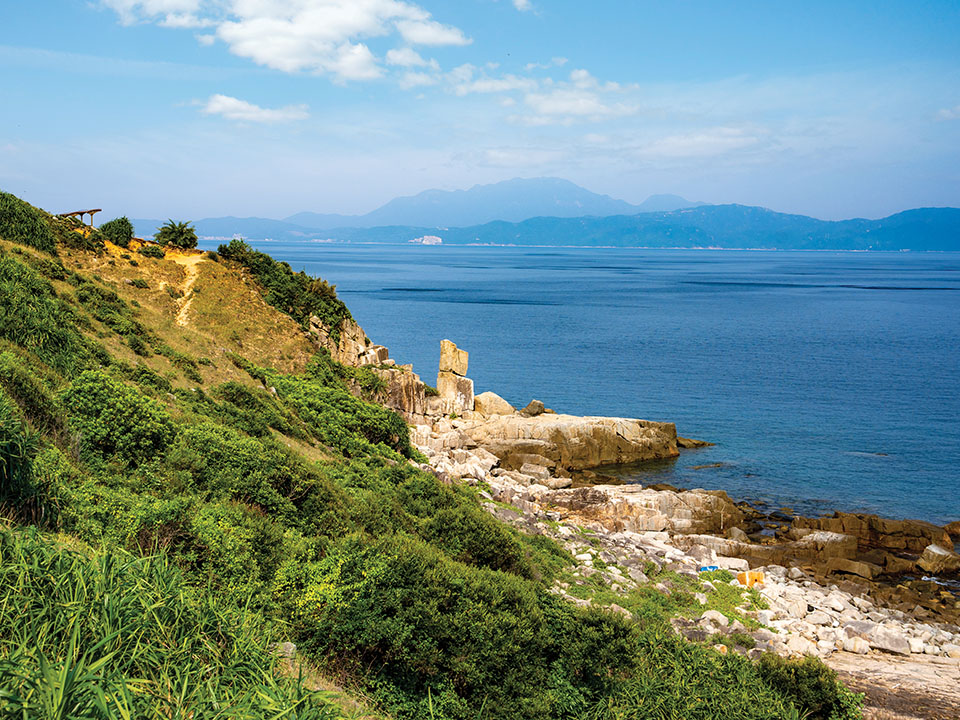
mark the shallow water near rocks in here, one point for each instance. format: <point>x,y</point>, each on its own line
<point>828,380</point>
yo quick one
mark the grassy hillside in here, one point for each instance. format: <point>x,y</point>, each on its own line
<point>201,483</point>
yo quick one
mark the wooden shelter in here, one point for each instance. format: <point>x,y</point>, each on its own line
<point>81,213</point>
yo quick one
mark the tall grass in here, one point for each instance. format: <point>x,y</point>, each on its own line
<point>116,636</point>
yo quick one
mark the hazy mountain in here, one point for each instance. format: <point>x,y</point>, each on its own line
<point>321,221</point>
<point>510,201</point>
<point>725,226</point>
<point>665,203</point>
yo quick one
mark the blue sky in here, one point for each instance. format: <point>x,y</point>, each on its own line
<point>197,108</point>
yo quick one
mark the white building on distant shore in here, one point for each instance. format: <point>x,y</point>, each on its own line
<point>428,240</point>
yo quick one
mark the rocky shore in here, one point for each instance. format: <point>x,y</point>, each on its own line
<point>859,591</point>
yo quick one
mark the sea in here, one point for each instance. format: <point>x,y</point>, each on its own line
<point>827,380</point>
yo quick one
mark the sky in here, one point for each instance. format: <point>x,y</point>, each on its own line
<point>204,108</point>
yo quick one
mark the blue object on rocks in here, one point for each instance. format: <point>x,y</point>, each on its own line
<point>709,568</point>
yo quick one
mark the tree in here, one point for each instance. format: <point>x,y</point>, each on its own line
<point>177,234</point>
<point>119,231</point>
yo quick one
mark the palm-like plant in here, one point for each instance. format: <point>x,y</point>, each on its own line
<point>177,234</point>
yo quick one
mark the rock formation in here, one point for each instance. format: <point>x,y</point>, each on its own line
<point>569,443</point>
<point>489,403</point>
<point>456,390</point>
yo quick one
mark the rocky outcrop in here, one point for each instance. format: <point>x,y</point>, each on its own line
<point>456,390</point>
<point>574,443</point>
<point>404,391</point>
<point>872,531</point>
<point>352,347</point>
<point>937,559</point>
<point>638,509</point>
<point>453,359</point>
<point>489,403</point>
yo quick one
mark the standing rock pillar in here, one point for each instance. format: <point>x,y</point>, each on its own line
<point>456,390</point>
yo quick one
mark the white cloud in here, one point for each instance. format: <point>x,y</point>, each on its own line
<point>319,36</point>
<point>164,11</point>
<point>566,105</point>
<point>949,113</point>
<point>206,39</point>
<point>408,57</point>
<point>417,79</point>
<point>703,143</point>
<point>554,62</point>
<point>505,83</point>
<point>235,109</point>
<point>523,5</point>
<point>430,32</point>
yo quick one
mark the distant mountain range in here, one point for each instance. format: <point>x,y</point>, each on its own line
<point>508,201</point>
<point>549,211</point>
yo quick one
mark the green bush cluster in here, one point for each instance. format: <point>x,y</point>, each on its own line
<point>152,251</point>
<point>18,446</point>
<point>22,223</point>
<point>813,686</point>
<point>117,636</point>
<point>33,317</point>
<point>296,294</point>
<point>119,231</point>
<point>113,419</point>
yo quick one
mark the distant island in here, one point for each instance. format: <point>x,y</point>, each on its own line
<point>554,212</point>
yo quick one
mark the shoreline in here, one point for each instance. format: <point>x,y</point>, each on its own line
<point>832,588</point>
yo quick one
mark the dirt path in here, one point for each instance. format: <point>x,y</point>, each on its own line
<point>189,263</point>
<point>919,687</point>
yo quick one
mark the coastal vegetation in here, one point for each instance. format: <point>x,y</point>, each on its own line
<point>177,234</point>
<point>176,509</point>
<point>119,231</point>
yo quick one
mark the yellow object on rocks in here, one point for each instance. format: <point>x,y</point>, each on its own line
<point>750,578</point>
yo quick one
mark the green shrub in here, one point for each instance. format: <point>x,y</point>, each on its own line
<point>296,294</point>
<point>153,251</point>
<point>114,419</point>
<point>256,412</point>
<point>177,234</point>
<point>139,283</point>
<point>34,318</point>
<point>37,403</point>
<point>18,446</point>
<point>812,686</point>
<point>114,636</point>
<point>119,231</point>
<point>24,224</point>
<point>352,426</point>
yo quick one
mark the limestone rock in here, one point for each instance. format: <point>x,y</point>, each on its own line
<point>876,532</point>
<point>638,509</point>
<point>576,443</point>
<point>690,443</point>
<point>535,471</point>
<point>716,618</point>
<point>452,359</point>
<point>888,640</point>
<point>856,645</point>
<point>489,403</point>
<point>533,408</point>
<point>937,559</point>
<point>456,391</point>
<point>953,529</point>
<point>404,392</point>
<point>862,569</point>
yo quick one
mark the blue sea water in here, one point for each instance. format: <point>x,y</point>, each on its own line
<point>827,380</point>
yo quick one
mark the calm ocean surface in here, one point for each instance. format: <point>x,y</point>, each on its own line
<point>827,380</point>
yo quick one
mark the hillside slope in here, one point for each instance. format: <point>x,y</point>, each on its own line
<point>185,407</point>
